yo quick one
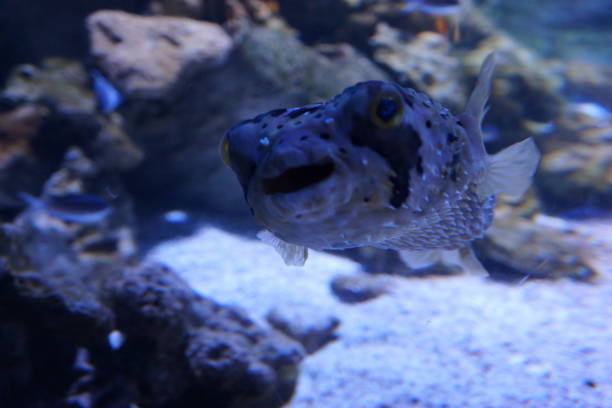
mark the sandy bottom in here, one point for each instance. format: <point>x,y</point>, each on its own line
<point>459,341</point>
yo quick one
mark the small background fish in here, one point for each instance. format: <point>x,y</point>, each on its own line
<point>77,208</point>
<point>377,165</point>
<point>108,97</point>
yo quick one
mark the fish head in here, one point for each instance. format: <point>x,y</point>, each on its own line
<point>289,166</point>
<point>304,164</point>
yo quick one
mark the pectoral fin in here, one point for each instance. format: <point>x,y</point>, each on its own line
<point>464,258</point>
<point>510,171</point>
<point>292,254</point>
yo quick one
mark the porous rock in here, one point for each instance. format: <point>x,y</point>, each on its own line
<point>180,131</point>
<point>311,327</point>
<point>148,55</point>
<point>150,339</point>
<point>576,169</point>
<point>519,246</point>
<point>198,351</point>
<point>423,63</point>
<point>357,288</point>
<point>49,109</point>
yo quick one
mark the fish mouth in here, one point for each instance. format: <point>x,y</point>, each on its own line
<point>298,178</point>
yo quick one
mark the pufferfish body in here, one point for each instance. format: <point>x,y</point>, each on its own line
<point>378,165</point>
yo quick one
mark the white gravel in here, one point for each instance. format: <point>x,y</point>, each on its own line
<point>433,342</point>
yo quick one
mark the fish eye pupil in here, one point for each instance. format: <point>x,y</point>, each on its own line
<point>386,109</point>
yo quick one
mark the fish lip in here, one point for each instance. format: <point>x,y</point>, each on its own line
<point>300,177</point>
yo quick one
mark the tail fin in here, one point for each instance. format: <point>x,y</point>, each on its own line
<point>511,170</point>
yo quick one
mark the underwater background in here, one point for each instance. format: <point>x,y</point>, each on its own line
<point>130,271</point>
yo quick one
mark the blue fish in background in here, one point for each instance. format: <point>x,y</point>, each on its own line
<point>433,7</point>
<point>109,98</point>
<point>77,208</point>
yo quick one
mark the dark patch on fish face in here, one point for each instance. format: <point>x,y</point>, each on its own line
<point>419,165</point>
<point>455,162</point>
<point>401,190</point>
<point>399,147</point>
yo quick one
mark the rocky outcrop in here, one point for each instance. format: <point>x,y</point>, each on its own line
<point>147,56</point>
<point>48,110</point>
<point>146,339</point>
<point>181,99</point>
<point>121,332</point>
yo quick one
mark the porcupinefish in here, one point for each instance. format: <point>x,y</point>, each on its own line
<point>377,165</point>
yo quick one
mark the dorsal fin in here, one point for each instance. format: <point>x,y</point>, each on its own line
<point>480,95</point>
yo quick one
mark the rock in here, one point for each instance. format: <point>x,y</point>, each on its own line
<point>577,175</point>
<point>269,69</point>
<point>182,8</point>
<point>60,83</point>
<point>517,248</point>
<point>59,257</point>
<point>576,170</point>
<point>555,30</point>
<point>312,328</point>
<point>126,335</point>
<point>589,81</point>
<point>26,34</point>
<point>281,59</point>
<point>198,351</point>
<point>357,288</point>
<point>431,338</point>
<point>48,110</point>
<point>423,63</point>
<point>147,56</point>
<point>381,261</point>
<point>149,339</point>
<point>61,89</point>
<point>316,19</point>
<point>19,170</point>
<point>30,326</point>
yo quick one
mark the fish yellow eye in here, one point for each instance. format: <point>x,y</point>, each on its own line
<point>225,151</point>
<point>386,111</point>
